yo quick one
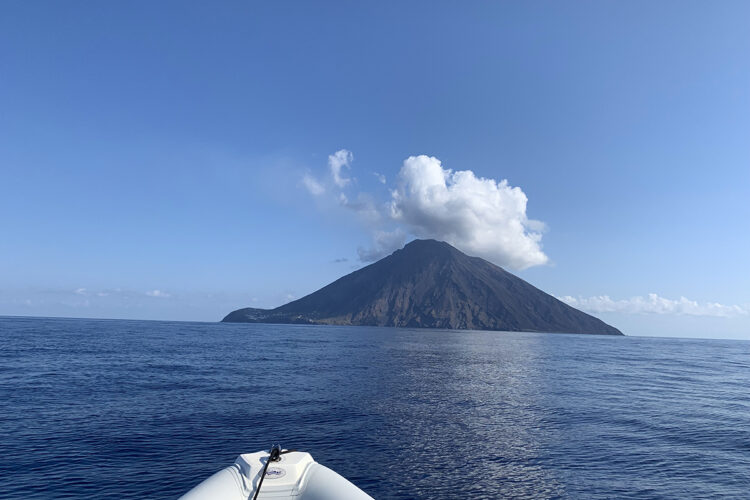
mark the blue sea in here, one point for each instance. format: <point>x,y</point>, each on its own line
<point>146,409</point>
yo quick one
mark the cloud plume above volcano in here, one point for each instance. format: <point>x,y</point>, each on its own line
<point>480,216</point>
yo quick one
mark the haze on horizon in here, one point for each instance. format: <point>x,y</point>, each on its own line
<point>181,160</point>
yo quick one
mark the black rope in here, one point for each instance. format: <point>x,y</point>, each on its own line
<point>273,456</point>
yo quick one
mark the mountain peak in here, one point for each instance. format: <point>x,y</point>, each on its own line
<point>429,247</point>
<point>427,243</point>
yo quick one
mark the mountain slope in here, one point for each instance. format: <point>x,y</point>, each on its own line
<point>430,284</point>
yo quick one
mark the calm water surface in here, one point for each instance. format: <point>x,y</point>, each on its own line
<point>137,409</point>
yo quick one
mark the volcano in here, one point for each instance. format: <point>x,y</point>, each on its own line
<point>430,284</point>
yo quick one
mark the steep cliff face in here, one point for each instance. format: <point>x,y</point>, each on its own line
<point>430,284</point>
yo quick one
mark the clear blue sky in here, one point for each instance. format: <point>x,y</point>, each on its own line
<point>152,153</point>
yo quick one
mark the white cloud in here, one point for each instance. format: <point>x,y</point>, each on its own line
<point>158,293</point>
<point>312,185</point>
<point>654,304</point>
<point>80,291</point>
<point>482,217</point>
<point>338,160</point>
<point>479,216</point>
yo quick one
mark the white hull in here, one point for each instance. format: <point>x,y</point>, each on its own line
<point>294,476</point>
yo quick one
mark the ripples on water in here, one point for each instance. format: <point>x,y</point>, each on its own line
<point>127,409</point>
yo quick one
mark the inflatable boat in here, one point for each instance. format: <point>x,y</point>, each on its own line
<point>277,474</point>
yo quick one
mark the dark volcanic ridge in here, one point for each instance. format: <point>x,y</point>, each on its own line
<point>430,284</point>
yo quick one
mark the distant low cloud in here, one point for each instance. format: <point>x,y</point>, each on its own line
<point>480,216</point>
<point>654,304</point>
<point>116,292</point>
